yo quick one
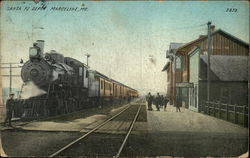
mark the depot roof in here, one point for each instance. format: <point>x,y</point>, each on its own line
<point>225,68</point>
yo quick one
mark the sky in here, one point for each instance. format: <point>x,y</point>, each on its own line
<point>127,41</point>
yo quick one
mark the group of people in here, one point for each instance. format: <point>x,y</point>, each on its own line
<point>159,101</point>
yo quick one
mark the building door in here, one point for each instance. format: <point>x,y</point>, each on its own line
<point>193,98</point>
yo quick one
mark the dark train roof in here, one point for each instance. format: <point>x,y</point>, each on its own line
<point>110,79</point>
<point>76,62</point>
<point>100,74</point>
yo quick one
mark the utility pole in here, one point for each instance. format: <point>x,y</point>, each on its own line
<point>10,88</point>
<point>208,59</point>
<point>87,55</point>
<point>175,88</point>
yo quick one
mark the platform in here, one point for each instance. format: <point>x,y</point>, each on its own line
<point>188,121</point>
<point>186,133</point>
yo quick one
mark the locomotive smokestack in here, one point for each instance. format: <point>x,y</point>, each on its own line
<point>40,44</point>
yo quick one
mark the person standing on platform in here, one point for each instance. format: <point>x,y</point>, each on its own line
<point>178,104</point>
<point>158,101</point>
<point>9,109</point>
<point>165,102</point>
<point>162,101</point>
<point>150,101</point>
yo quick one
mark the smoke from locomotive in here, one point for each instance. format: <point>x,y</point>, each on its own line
<point>31,90</point>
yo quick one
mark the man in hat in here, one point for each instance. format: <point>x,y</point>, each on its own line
<point>158,101</point>
<point>166,100</point>
<point>178,104</point>
<point>9,109</point>
<point>149,99</point>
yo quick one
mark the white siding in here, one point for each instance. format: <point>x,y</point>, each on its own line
<point>194,78</point>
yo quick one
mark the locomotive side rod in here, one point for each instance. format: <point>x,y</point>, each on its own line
<point>130,130</point>
<point>91,131</point>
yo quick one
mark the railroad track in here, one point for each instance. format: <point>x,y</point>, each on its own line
<point>87,141</point>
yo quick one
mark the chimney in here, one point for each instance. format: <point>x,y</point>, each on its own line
<point>40,44</point>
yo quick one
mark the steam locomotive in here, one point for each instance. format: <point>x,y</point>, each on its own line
<point>69,85</point>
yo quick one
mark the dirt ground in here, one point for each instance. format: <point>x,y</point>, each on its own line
<point>164,133</point>
<point>187,144</point>
<point>34,143</point>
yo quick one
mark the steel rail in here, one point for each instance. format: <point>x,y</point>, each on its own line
<point>130,129</point>
<point>88,133</point>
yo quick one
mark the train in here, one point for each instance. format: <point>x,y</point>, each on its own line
<point>70,85</point>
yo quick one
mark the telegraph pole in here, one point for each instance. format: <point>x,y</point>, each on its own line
<point>208,59</point>
<point>10,88</point>
<point>87,55</point>
<point>175,88</point>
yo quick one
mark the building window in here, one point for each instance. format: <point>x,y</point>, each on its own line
<point>178,62</point>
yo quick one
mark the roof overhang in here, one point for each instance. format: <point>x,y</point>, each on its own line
<point>166,66</point>
<point>222,32</point>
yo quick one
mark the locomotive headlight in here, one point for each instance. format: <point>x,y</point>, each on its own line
<point>33,52</point>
